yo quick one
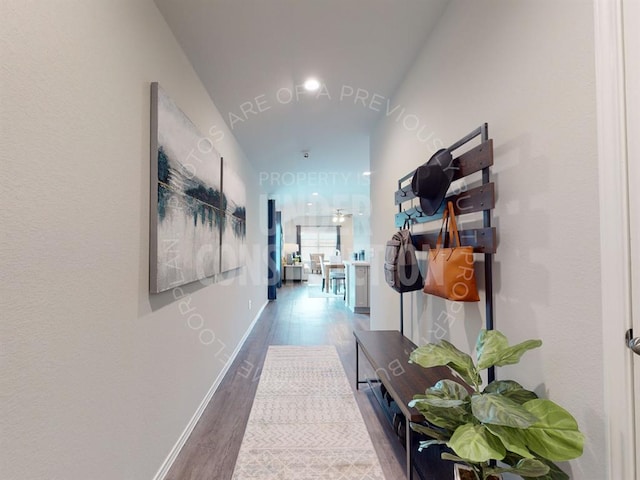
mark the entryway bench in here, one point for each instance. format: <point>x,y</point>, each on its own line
<point>388,353</point>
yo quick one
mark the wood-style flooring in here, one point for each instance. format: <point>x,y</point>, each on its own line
<point>293,319</point>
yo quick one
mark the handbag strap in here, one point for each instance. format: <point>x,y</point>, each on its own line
<point>444,227</point>
<point>450,227</point>
<point>453,230</point>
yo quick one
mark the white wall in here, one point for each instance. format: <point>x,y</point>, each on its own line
<point>362,234</point>
<point>526,68</point>
<point>98,377</point>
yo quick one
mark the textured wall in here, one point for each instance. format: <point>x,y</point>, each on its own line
<point>99,378</point>
<point>526,68</point>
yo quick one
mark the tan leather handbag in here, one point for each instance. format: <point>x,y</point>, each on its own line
<point>450,271</point>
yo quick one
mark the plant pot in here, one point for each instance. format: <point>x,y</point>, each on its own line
<point>462,472</point>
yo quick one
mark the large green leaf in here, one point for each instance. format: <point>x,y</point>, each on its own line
<point>498,410</point>
<point>512,438</point>
<point>437,401</point>
<point>554,473</point>
<point>445,405</point>
<point>510,389</point>
<point>492,349</point>
<point>488,343</point>
<point>448,389</point>
<point>555,436</point>
<point>475,443</point>
<point>527,466</point>
<point>449,414</point>
<point>445,354</point>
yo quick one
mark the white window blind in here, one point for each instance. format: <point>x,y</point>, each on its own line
<point>317,240</point>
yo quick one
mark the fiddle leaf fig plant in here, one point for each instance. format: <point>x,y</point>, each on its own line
<point>502,422</point>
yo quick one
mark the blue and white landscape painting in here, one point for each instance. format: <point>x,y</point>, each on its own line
<point>188,215</point>
<point>234,228</point>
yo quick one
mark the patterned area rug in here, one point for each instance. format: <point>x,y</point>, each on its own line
<point>305,423</point>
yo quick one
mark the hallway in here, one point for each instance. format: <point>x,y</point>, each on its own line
<point>295,318</point>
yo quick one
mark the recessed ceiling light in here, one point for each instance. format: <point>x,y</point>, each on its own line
<point>315,194</point>
<point>309,204</point>
<point>311,84</point>
<point>366,174</point>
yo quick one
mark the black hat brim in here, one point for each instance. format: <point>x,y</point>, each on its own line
<point>432,180</point>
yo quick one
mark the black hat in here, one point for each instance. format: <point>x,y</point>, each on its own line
<point>431,181</point>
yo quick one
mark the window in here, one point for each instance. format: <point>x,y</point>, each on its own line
<point>318,240</point>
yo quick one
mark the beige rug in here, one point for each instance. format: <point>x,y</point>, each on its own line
<point>305,423</point>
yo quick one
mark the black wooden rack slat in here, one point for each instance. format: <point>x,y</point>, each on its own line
<point>483,240</point>
<point>475,200</point>
<point>469,162</point>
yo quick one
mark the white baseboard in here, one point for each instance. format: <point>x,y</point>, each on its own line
<point>173,454</point>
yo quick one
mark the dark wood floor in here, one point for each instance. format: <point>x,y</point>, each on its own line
<point>293,319</point>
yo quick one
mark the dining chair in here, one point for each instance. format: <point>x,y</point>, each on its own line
<point>323,273</point>
<point>335,279</point>
<point>316,260</point>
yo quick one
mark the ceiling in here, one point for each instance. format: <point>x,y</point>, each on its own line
<point>253,56</point>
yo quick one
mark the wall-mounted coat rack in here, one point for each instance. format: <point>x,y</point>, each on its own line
<point>481,198</point>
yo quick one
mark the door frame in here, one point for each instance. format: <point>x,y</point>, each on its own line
<point>615,245</point>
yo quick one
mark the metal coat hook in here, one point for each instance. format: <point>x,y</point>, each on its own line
<point>408,221</point>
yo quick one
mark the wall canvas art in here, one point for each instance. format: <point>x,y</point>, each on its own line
<point>234,227</point>
<point>187,214</point>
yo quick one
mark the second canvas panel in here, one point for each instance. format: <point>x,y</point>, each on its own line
<point>234,228</point>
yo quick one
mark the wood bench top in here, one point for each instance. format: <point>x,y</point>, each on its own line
<point>388,353</point>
